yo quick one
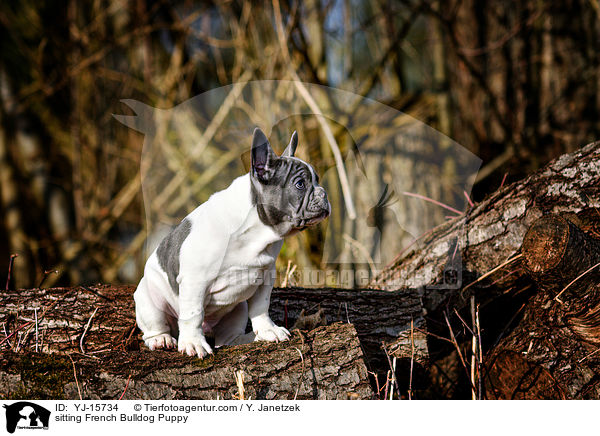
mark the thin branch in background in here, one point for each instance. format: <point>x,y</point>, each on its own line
<point>46,274</point>
<point>288,274</point>
<point>431,200</point>
<point>503,180</point>
<point>285,276</point>
<point>19,339</point>
<point>474,346</point>
<point>377,388</point>
<point>10,265</point>
<point>96,293</point>
<point>312,104</point>
<point>463,322</point>
<point>468,199</point>
<point>387,385</point>
<point>505,276</point>
<point>363,250</point>
<point>480,362</point>
<point>507,36</point>
<point>17,329</point>
<point>239,381</point>
<point>455,343</point>
<point>589,355</point>
<point>395,383</point>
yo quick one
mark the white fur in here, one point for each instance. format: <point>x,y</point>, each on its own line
<point>227,246</point>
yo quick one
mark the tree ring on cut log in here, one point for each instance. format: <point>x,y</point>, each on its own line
<point>560,256</point>
<point>545,243</point>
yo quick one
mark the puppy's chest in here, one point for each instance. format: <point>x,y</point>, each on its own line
<point>241,274</point>
<point>250,257</point>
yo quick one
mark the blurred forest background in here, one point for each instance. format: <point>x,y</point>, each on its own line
<point>515,82</point>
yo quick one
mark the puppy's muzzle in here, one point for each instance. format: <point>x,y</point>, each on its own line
<point>319,207</point>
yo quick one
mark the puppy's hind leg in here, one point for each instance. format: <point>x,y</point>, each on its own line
<point>231,328</point>
<point>156,325</point>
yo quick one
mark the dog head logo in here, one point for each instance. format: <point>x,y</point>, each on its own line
<point>26,415</point>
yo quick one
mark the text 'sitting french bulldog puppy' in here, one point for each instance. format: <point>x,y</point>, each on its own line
<point>201,278</point>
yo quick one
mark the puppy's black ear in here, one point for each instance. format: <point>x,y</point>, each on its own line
<point>291,148</point>
<point>262,156</point>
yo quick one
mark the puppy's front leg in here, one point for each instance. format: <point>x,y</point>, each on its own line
<point>258,311</point>
<point>192,299</point>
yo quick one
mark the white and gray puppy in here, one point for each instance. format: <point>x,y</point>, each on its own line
<point>217,267</point>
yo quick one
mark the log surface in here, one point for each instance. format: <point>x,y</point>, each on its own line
<point>326,363</point>
<point>95,326</point>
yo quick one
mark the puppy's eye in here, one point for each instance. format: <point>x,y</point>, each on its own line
<point>300,185</point>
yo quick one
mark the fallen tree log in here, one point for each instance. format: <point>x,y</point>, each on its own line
<point>95,326</point>
<point>491,233</point>
<point>326,363</point>
<point>556,252</point>
<point>553,351</point>
<point>472,267</point>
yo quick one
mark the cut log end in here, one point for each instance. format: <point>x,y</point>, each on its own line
<point>544,244</point>
<point>559,255</point>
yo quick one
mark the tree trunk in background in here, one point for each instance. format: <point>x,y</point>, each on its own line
<point>13,220</point>
<point>522,76</point>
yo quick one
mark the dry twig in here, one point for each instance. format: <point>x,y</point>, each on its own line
<point>489,273</point>
<point>587,271</point>
<point>87,326</point>
<point>126,386</point>
<point>302,374</point>
<point>75,374</point>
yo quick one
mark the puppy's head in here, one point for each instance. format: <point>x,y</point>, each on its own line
<point>285,189</point>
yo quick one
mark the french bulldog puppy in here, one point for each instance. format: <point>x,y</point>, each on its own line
<point>216,269</point>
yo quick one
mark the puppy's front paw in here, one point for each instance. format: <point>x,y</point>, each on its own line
<point>272,334</point>
<point>164,340</point>
<point>194,346</point>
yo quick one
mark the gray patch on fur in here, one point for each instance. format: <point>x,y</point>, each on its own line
<point>168,252</point>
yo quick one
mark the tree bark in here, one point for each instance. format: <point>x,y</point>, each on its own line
<point>492,232</point>
<point>326,363</point>
<point>552,352</point>
<point>95,326</point>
